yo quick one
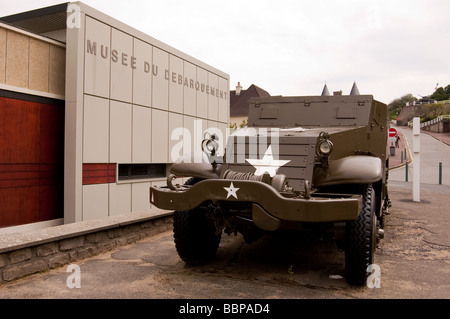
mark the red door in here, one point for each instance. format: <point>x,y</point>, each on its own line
<point>31,160</point>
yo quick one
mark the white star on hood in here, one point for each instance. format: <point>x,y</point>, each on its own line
<point>231,191</point>
<point>267,163</point>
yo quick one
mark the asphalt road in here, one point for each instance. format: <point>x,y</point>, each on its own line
<point>432,152</point>
<point>413,259</point>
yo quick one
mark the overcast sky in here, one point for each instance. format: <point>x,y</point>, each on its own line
<point>389,47</point>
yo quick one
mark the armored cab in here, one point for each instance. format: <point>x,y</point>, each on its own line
<point>306,162</point>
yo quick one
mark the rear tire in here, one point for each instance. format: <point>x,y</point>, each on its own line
<point>360,240</point>
<point>195,236</point>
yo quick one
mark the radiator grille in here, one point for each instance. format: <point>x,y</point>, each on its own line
<point>298,150</point>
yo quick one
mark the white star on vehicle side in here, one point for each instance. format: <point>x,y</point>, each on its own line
<point>231,191</point>
<point>267,163</point>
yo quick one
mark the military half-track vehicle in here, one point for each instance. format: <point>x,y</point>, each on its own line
<point>309,162</point>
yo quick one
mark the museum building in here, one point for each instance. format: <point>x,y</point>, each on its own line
<point>91,112</point>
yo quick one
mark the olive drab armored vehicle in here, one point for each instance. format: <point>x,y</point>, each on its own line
<point>306,162</point>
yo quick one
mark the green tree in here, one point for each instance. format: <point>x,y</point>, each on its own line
<point>432,111</point>
<point>397,105</point>
<point>441,94</point>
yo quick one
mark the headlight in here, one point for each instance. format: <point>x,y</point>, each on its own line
<point>325,147</point>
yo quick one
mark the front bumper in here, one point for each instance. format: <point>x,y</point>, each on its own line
<point>267,204</point>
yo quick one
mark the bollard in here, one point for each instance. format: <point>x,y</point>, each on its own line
<point>416,166</point>
<point>401,157</point>
<point>406,172</point>
<point>440,173</point>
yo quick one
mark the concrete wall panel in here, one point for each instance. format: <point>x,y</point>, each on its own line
<point>160,79</point>
<point>96,130</point>
<point>140,201</point>
<point>39,65</point>
<point>212,90</point>
<point>202,98</point>
<point>122,64</point>
<point>190,96</point>
<point>97,52</point>
<point>175,136</point>
<point>120,132</point>
<point>119,199</point>
<point>2,55</point>
<point>95,201</point>
<point>176,78</point>
<point>142,134</point>
<point>17,46</point>
<point>57,74</point>
<point>188,138</point>
<point>160,136</point>
<point>224,102</point>
<point>142,73</point>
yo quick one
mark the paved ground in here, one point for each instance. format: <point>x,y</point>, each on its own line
<point>401,154</point>
<point>433,150</point>
<point>414,260</point>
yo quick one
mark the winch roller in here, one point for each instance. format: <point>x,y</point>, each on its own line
<point>229,174</point>
<point>279,181</point>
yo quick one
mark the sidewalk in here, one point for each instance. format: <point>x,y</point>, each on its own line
<point>443,137</point>
<point>27,253</point>
<point>402,153</point>
<point>395,161</point>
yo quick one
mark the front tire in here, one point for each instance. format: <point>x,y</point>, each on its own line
<point>360,240</point>
<point>195,236</point>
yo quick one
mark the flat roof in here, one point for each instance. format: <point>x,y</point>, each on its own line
<point>41,20</point>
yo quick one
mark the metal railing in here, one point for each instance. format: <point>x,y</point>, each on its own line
<point>433,121</point>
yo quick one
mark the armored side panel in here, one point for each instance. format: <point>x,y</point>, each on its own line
<point>310,111</point>
<point>357,124</point>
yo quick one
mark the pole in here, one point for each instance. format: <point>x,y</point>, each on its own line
<point>416,166</point>
<point>406,172</point>
<point>440,173</point>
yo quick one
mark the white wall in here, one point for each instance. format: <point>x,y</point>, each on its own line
<point>131,91</point>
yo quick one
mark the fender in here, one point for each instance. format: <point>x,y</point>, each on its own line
<point>360,169</point>
<point>195,165</point>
